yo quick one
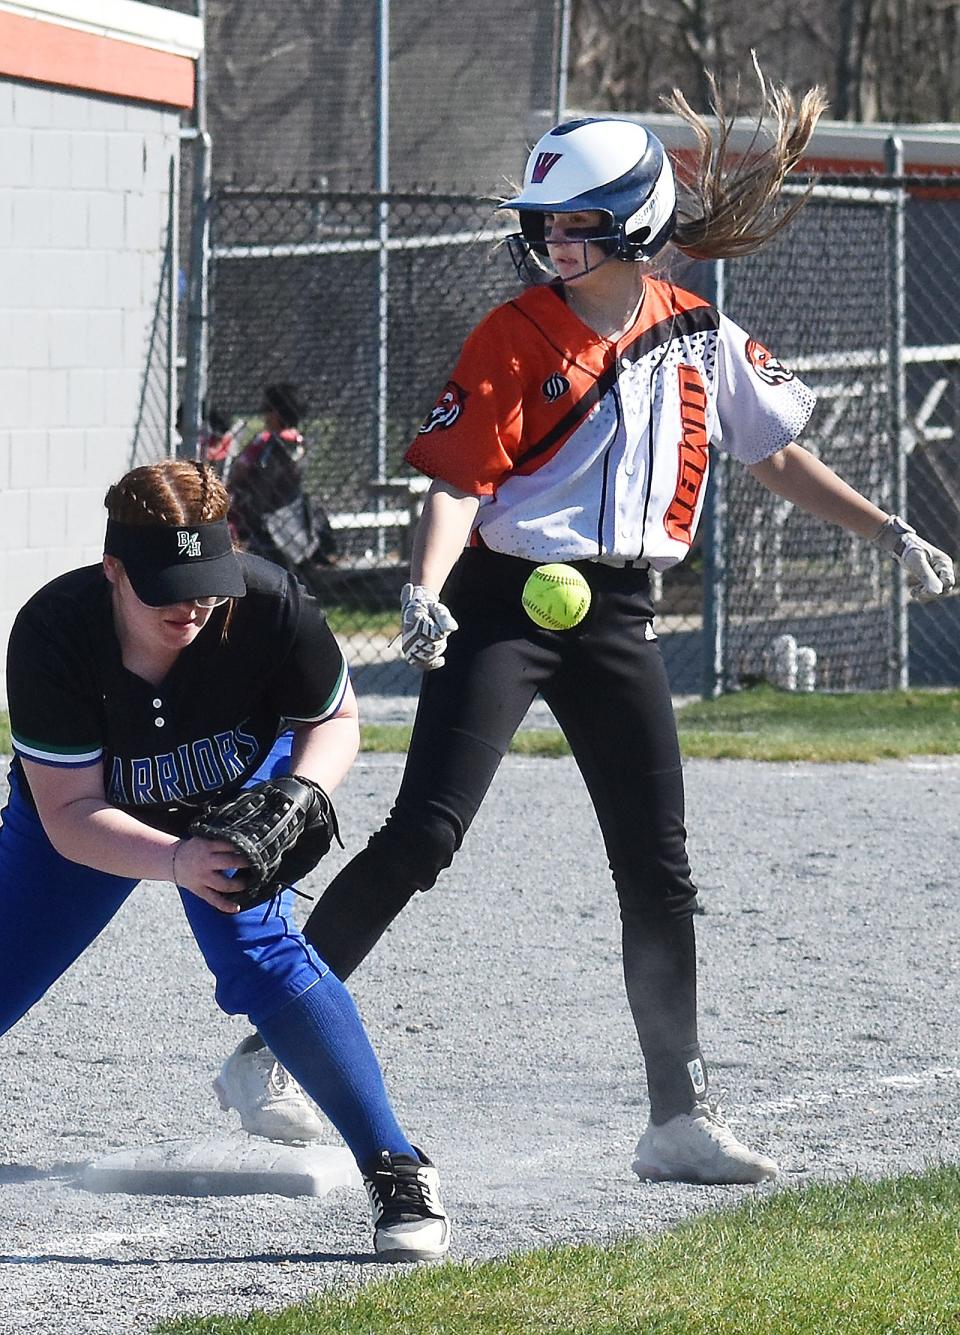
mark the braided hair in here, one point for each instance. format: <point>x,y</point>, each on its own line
<point>176,491</point>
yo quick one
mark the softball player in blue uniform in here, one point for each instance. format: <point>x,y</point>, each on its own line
<point>139,690</point>
<point>576,427</point>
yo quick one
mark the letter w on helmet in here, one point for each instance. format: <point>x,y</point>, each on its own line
<point>603,164</point>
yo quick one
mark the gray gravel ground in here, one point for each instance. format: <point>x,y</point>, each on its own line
<point>829,1001</point>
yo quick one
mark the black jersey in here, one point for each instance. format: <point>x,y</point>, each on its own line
<point>206,728</point>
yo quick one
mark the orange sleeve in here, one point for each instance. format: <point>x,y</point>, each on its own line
<point>472,435</point>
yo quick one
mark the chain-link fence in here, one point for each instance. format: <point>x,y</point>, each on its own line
<point>931,437</point>
<point>361,302</point>
<point>844,298</point>
<point>819,297</point>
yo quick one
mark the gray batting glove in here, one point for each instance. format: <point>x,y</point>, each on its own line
<point>930,572</point>
<point>424,626</point>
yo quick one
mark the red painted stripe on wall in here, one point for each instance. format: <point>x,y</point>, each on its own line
<point>49,53</point>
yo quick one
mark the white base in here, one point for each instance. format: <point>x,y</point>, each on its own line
<point>234,1165</point>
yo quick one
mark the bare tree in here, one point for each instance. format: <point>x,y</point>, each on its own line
<point>894,60</point>
<point>630,54</point>
<point>698,30</point>
<point>855,18</point>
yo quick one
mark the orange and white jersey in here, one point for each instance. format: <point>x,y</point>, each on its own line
<point>580,447</point>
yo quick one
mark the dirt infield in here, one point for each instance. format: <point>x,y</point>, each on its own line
<point>829,999</point>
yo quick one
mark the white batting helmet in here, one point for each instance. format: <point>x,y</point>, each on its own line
<point>606,164</point>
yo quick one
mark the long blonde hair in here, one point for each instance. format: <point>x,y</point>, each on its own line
<point>731,206</point>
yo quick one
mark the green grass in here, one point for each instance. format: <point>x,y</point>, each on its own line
<point>387,737</point>
<point>346,619</point>
<point>763,724</point>
<point>766,724</point>
<point>847,1259</point>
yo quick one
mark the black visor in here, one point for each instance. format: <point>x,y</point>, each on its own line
<point>169,563</point>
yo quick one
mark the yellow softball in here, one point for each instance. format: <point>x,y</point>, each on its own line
<point>556,597</point>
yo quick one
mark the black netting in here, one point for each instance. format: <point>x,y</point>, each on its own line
<point>822,296</point>
<point>297,298</point>
<point>819,297</point>
<point>303,292</point>
<point>298,286</point>
<point>932,437</point>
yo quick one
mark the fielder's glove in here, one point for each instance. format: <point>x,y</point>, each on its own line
<point>424,626</point>
<point>929,571</point>
<point>283,827</point>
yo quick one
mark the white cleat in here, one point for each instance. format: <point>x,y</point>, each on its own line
<point>409,1221</point>
<point>698,1146</point>
<point>268,1099</point>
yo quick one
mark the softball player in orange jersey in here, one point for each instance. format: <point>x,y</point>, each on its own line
<point>576,427</point>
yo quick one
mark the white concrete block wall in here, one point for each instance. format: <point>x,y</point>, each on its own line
<point>83,213</point>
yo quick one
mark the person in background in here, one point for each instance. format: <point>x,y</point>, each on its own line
<point>270,511</point>
<point>216,437</point>
<point>217,440</point>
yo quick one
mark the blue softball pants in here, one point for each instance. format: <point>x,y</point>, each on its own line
<point>52,909</point>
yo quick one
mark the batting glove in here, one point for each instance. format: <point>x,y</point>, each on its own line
<point>930,571</point>
<point>424,626</point>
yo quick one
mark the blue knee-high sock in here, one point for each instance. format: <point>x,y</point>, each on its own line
<point>319,1037</point>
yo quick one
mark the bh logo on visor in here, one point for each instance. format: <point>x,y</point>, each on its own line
<point>188,544</point>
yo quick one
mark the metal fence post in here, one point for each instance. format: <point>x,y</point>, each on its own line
<point>715,548</point>
<point>195,369</point>
<point>383,251</point>
<point>563,60</point>
<point>893,155</point>
<point>173,272</point>
<point>195,373</point>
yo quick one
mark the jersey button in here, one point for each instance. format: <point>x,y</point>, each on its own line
<point>629,470</point>
<point>157,704</point>
<point>159,722</point>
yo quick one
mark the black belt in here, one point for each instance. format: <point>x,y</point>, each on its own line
<point>620,563</point>
<point>515,569</point>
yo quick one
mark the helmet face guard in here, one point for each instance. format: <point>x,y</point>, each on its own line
<point>607,234</point>
<point>613,167</point>
<point>528,247</point>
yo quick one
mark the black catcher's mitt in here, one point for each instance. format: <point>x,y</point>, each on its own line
<point>283,827</point>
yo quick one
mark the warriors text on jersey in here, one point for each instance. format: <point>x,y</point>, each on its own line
<point>580,447</point>
<point>167,749</point>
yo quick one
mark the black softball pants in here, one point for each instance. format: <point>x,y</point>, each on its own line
<point>607,687</point>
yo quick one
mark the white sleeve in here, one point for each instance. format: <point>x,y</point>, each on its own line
<point>761,405</point>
